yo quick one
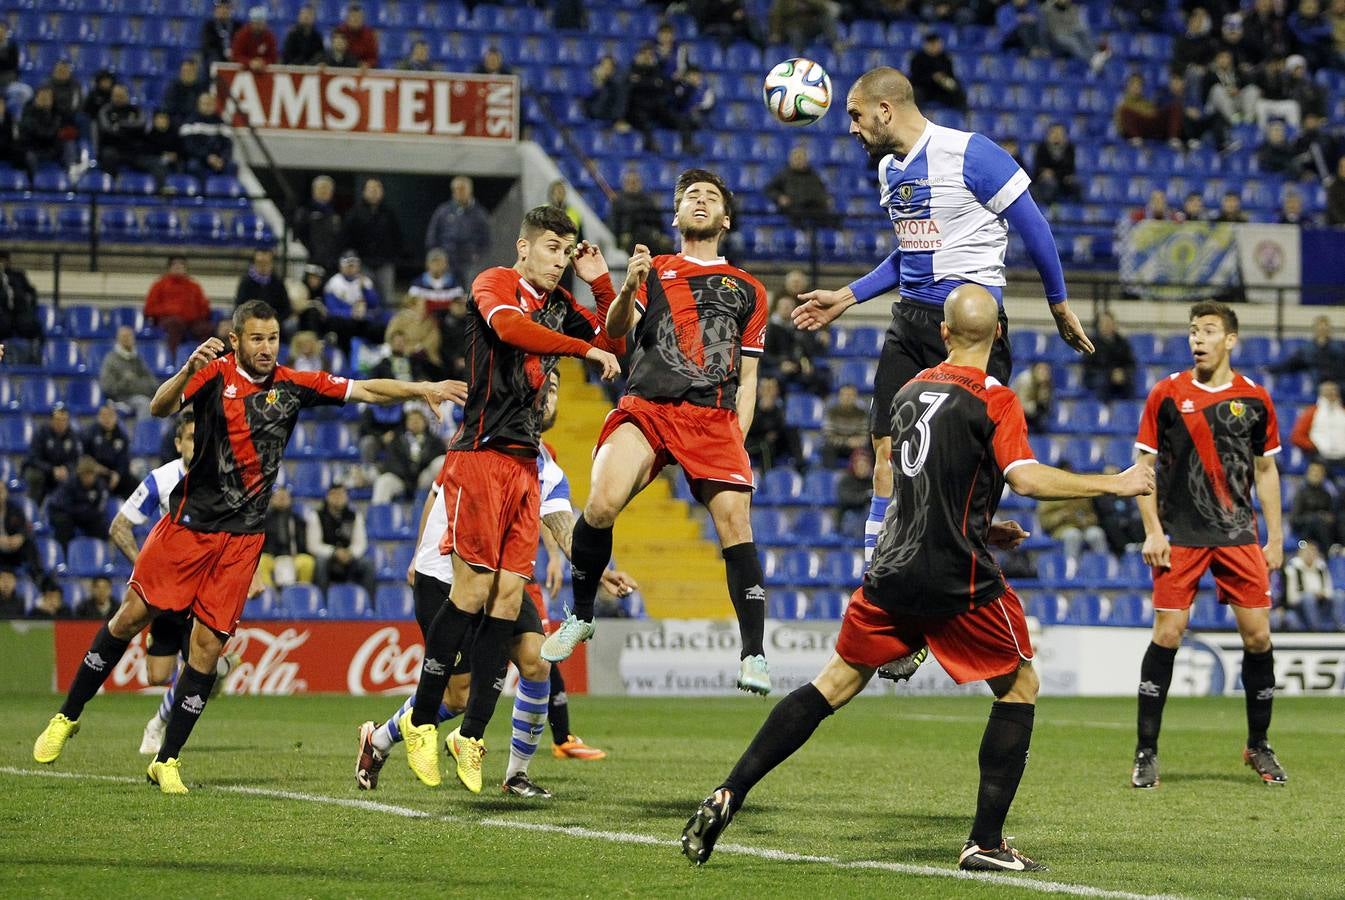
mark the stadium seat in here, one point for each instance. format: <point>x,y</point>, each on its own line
<point>147,437</point>
<point>32,221</point>
<point>1129,611</point>
<point>94,181</point>
<point>249,228</point>
<point>1084,609</point>
<point>348,601</point>
<point>302,601</point>
<point>1046,608</point>
<point>819,488</point>
<point>16,433</point>
<point>134,183</point>
<point>163,226</point>
<point>818,527</point>
<point>205,226</point>
<point>392,564</point>
<point>12,182</point>
<point>62,356</point>
<point>779,486</point>
<point>50,555</point>
<point>769,527</point>
<point>394,601</point>
<point>310,479</point>
<point>388,523</point>
<point>804,411</point>
<point>182,185</point>
<point>84,396</point>
<point>787,605</point>
<point>88,557</point>
<point>261,607</point>
<point>37,394</point>
<point>827,604</point>
<point>118,224</point>
<point>51,181</point>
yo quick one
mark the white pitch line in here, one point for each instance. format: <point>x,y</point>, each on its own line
<point>629,838</point>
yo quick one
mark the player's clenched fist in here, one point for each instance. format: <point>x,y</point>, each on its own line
<point>202,355</point>
<point>609,364</point>
<point>638,267</point>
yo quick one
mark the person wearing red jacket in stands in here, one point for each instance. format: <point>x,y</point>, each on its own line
<point>255,45</point>
<point>362,39</point>
<point>177,303</point>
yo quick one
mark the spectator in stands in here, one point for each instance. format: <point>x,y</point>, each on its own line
<point>9,58</point>
<point>307,353</point>
<point>816,345</point>
<point>787,358</point>
<point>1292,211</point>
<point>799,192</point>
<point>1119,518</point>
<point>461,228</point>
<point>1109,371</point>
<point>1275,102</point>
<point>217,34</point>
<point>99,95</point>
<point>606,102</point>
<point>1267,32</point>
<point>932,75</point>
<point>1036,391</point>
<point>1054,174</point>
<point>179,98</point>
<point>160,150</point>
<point>318,225</point>
<point>727,20</point>
<point>771,440</point>
<point>107,444</point>
<point>410,461</point>
<point>207,142</point>
<point>1309,594</point>
<point>339,55</point>
<point>436,287</point>
<point>419,58</point>
<point>351,305</point>
<point>1320,429</point>
<point>845,427</point>
<point>66,93</point>
<point>121,132</point>
<point>1073,523</point>
<point>52,455</point>
<point>99,603</point>
<point>453,338</point>
<point>1308,94</point>
<point>570,15</point>
<point>1193,208</point>
<point>854,493</point>
<point>285,559</point>
<point>177,304</point>
<point>10,155</point>
<point>636,218</point>
<point>262,282</point>
<point>1312,33</point>
<point>338,542</point>
<point>50,605</point>
<point>79,505</point>
<point>1187,94</point>
<point>1324,356</point>
<point>46,135</point>
<point>1316,150</point>
<point>18,552</point>
<point>363,40</point>
<point>125,377</point>
<point>1336,15</point>
<point>1276,155</point>
<point>672,56</point>
<point>1316,512</point>
<point>1233,38</point>
<point>1230,208</point>
<point>12,604</point>
<point>1156,209</point>
<point>800,22</point>
<point>1066,34</point>
<point>1194,47</point>
<point>1228,92</point>
<point>492,63</point>
<point>1018,25</point>
<point>373,231</point>
<point>303,42</point>
<point>1139,118</point>
<point>649,95</point>
<point>1335,196</point>
<point>18,308</point>
<point>255,45</point>
<point>693,100</point>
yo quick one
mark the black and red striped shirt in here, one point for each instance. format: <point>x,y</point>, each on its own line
<point>697,319</point>
<point>1207,440</point>
<point>956,432</point>
<point>242,428</point>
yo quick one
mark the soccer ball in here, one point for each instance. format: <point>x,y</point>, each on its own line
<point>797,91</point>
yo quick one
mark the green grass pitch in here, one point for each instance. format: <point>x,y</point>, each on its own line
<point>879,801</point>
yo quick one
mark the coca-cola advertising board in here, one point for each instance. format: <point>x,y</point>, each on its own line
<point>303,657</point>
<point>374,102</point>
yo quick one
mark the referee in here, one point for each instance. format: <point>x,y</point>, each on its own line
<point>951,196</point>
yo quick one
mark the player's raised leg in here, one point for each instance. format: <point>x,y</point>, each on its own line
<point>730,509</point>
<point>622,468</point>
<point>1258,681</point>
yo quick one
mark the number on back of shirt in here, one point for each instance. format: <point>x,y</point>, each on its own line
<point>915,451</point>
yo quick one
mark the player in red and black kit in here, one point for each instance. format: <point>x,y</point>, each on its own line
<point>201,556</point>
<point>958,436</point>
<point>519,323</point>
<point>1210,433</point>
<point>699,329</point>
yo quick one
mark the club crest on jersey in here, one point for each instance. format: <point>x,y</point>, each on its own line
<point>730,284</point>
<point>1237,408</point>
<point>1188,406</point>
<point>272,396</point>
<point>905,192</point>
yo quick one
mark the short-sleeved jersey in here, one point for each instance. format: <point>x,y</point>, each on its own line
<point>150,498</point>
<point>504,383</point>
<point>946,200</point>
<point>1206,440</point>
<point>555,494</point>
<point>956,432</point>
<point>698,318</point>
<point>242,428</point>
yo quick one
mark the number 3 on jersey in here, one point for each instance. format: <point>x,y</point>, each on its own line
<point>915,452</point>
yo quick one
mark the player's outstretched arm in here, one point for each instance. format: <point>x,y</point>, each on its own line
<point>123,538</point>
<point>820,308</point>
<point>1044,482</point>
<point>1268,492</point>
<point>622,314</point>
<point>168,398</point>
<point>1026,218</point>
<point>382,391</point>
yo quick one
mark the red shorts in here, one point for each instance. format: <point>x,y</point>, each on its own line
<point>493,502</point>
<point>207,572</point>
<point>976,645</point>
<point>1240,577</point>
<point>705,441</point>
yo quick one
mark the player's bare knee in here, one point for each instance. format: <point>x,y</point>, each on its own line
<point>1169,626</point>
<point>534,668</point>
<point>839,682</point>
<point>601,512</point>
<point>206,647</point>
<point>1021,686</point>
<point>455,695</point>
<point>1256,640</point>
<point>159,669</point>
<point>130,618</point>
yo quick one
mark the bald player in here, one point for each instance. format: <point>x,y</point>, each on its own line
<point>951,196</point>
<point>958,435</point>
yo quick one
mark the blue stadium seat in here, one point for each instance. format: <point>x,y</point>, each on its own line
<point>84,396</point>
<point>301,601</point>
<point>37,394</point>
<point>32,221</point>
<point>261,607</point>
<point>770,527</point>
<point>1083,454</point>
<point>827,604</point>
<point>1129,611</point>
<point>804,411</point>
<point>223,186</point>
<point>183,185</point>
<point>51,181</point>
<point>134,183</point>
<point>394,601</point>
<point>388,523</point>
<point>1046,608</point>
<point>819,488</point>
<point>804,567</point>
<point>12,181</point>
<point>147,437</point>
<point>16,433</point>
<point>85,322</point>
<point>88,557</point>
<point>205,226</point>
<point>1208,614</point>
<point>1123,417</point>
<point>779,486</point>
<point>249,228</point>
<point>163,226</point>
<point>348,601</point>
<point>1084,609</point>
<point>50,555</point>
<point>62,356</point>
<point>861,340</point>
<point>773,568</point>
<point>94,181</point>
<point>118,224</point>
<point>1097,570</point>
<point>311,480</point>
<point>392,565</point>
<point>787,605</point>
<point>858,372</point>
<point>1255,351</point>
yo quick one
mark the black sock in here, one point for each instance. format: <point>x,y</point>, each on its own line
<point>104,654</point>
<point>785,730</point>
<point>1258,681</point>
<point>446,636</point>
<point>558,708</point>
<point>590,552</point>
<point>193,690</point>
<point>1155,679</point>
<point>490,659</point>
<point>743,568</point>
<point>1004,747</point>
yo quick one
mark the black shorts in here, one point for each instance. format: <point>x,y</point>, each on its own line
<point>913,344</point>
<point>431,594</point>
<point>170,634</point>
